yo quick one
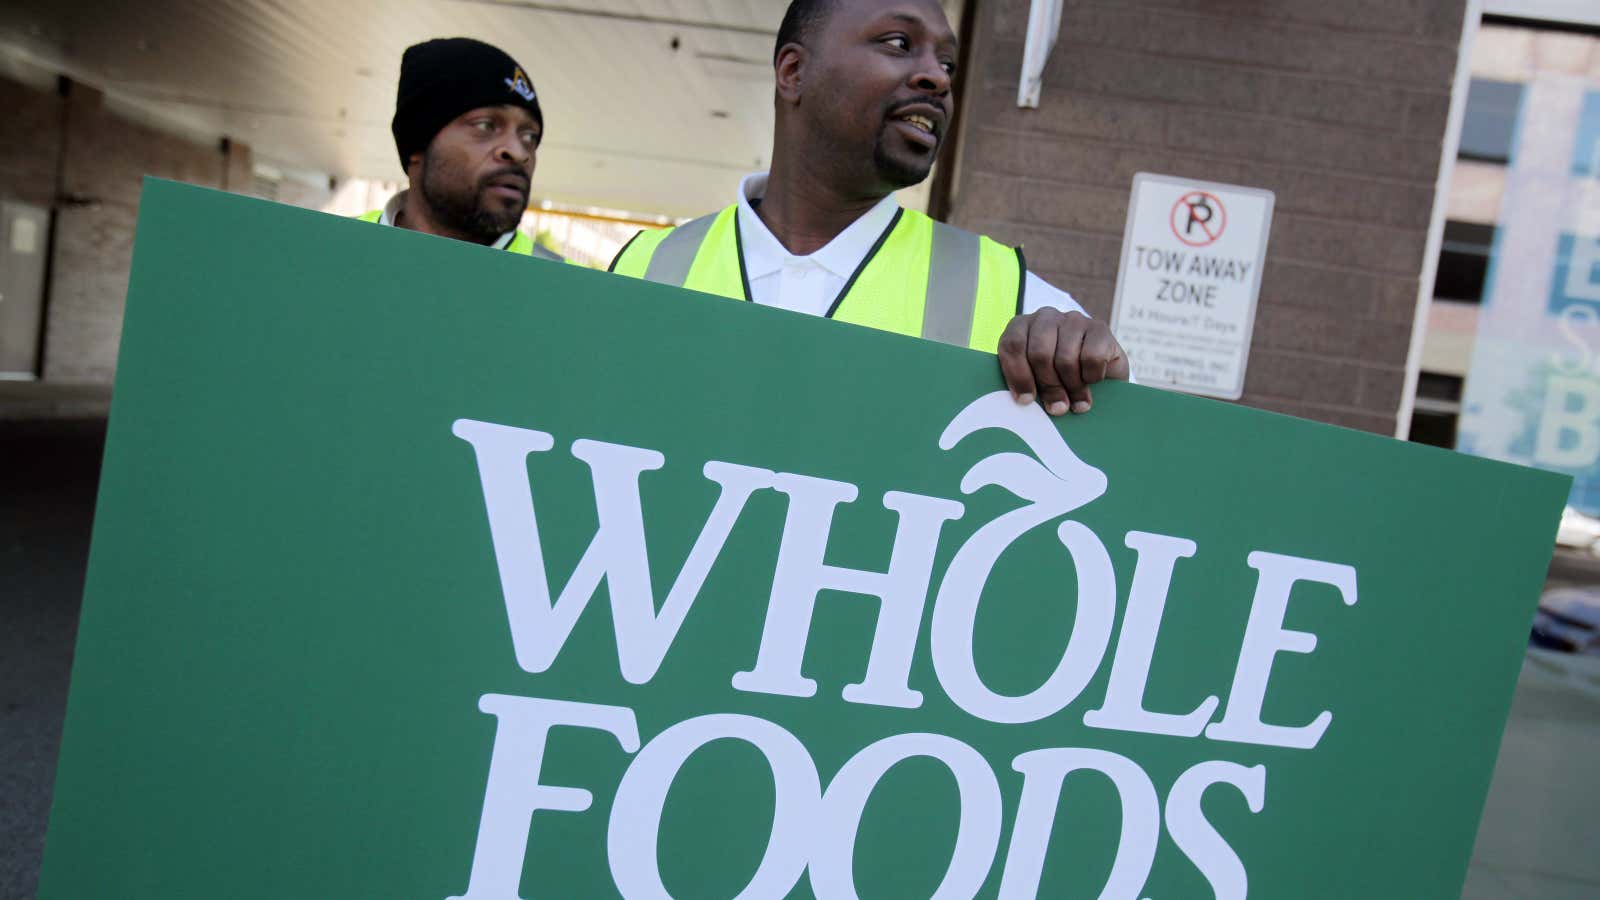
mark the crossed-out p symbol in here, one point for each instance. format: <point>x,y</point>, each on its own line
<point>1198,218</point>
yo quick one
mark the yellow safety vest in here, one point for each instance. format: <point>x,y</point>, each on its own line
<point>520,243</point>
<point>922,278</point>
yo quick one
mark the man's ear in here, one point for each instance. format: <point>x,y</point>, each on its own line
<point>789,71</point>
<point>414,166</point>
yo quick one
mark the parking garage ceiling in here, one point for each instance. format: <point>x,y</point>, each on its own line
<point>651,105</point>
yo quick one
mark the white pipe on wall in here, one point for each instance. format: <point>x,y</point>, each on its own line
<point>1044,24</point>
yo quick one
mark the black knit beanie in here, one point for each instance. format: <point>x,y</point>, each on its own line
<point>443,78</point>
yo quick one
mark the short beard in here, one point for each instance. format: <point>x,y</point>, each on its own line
<point>461,211</point>
<point>898,173</point>
<point>894,172</point>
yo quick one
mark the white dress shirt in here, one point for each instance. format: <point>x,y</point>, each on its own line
<point>398,202</point>
<point>809,284</point>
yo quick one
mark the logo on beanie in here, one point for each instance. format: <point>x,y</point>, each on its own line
<point>520,85</point>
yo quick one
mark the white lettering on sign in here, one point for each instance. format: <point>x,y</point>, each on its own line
<point>1192,254</point>
<point>814,828</point>
<point>1264,638</point>
<point>977,834</point>
<point>539,627</point>
<point>801,575</point>
<point>635,824</point>
<point>1196,837</point>
<point>1123,709</point>
<point>1043,772</point>
<point>515,792</point>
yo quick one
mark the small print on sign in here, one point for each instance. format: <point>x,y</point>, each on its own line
<point>1186,291</point>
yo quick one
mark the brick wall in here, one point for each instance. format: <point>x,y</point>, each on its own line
<point>106,159</point>
<point>30,143</point>
<point>1338,108</point>
<point>99,160</point>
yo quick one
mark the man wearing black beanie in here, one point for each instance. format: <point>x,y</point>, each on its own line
<point>467,126</point>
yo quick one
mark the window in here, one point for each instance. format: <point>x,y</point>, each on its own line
<point>1436,409</point>
<point>1463,262</point>
<point>1490,126</point>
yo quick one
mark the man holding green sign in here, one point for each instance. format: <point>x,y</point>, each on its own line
<point>863,101</point>
<point>387,598</point>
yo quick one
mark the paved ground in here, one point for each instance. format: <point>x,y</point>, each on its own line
<point>1541,824</point>
<point>48,473</point>
<point>1539,838</point>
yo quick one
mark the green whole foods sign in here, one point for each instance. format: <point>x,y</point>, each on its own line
<point>422,570</point>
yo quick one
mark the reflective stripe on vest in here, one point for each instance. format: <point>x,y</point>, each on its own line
<point>922,278</point>
<point>952,285</point>
<point>520,243</point>
<point>676,252</point>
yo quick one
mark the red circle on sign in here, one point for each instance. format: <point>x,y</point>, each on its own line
<point>1198,218</point>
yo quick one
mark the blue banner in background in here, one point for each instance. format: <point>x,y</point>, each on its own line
<point>1532,395</point>
<point>1586,155</point>
<point>1576,273</point>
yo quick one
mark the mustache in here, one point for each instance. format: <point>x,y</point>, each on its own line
<point>512,172</point>
<point>940,103</point>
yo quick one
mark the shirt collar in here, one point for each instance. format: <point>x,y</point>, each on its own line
<point>398,202</point>
<point>765,254</point>
<point>392,208</point>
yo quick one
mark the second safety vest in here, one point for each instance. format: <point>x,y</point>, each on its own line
<point>520,243</point>
<point>921,278</point>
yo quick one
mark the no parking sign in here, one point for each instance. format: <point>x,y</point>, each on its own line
<point>1186,291</point>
